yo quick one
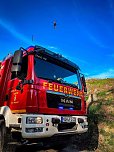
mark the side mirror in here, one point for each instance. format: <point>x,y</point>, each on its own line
<point>17,62</point>
<point>84,83</point>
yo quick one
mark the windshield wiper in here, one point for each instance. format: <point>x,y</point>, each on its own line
<point>51,80</point>
<point>61,81</point>
<point>70,84</point>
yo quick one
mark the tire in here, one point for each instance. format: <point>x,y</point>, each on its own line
<point>5,139</point>
<point>11,148</point>
<point>9,143</point>
<point>2,136</point>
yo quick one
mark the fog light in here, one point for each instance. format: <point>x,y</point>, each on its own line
<point>39,120</point>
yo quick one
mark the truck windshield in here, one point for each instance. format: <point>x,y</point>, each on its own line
<point>52,72</point>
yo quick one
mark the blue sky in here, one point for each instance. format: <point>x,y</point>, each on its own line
<point>84,31</point>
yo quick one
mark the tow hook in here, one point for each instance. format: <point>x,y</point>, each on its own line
<point>80,120</point>
<point>55,120</point>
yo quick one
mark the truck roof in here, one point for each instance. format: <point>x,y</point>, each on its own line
<point>43,50</point>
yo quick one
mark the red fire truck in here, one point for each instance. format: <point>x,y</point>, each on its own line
<point>41,97</point>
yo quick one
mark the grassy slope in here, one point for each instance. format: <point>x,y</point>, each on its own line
<point>103,107</point>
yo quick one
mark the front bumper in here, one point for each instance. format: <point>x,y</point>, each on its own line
<point>50,128</point>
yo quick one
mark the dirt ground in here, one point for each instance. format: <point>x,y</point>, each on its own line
<point>74,145</point>
<point>70,148</point>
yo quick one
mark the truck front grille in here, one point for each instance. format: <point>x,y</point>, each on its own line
<point>66,102</point>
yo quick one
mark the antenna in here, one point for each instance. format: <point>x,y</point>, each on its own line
<point>32,38</point>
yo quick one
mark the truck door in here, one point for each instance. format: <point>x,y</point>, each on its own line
<point>4,77</point>
<point>17,97</point>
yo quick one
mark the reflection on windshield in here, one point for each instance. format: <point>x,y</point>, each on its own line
<point>53,72</point>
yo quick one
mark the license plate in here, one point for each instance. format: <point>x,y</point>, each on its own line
<point>68,119</point>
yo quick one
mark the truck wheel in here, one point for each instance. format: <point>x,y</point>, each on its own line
<point>2,137</point>
<point>10,148</point>
<point>10,145</point>
<point>5,140</point>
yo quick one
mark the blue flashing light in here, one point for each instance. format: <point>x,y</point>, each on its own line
<point>71,108</point>
<point>60,107</point>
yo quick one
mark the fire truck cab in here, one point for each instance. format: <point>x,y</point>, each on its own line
<point>41,96</point>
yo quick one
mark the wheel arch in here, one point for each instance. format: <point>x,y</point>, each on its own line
<point>5,115</point>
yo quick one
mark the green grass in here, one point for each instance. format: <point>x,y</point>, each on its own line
<point>109,123</point>
<point>105,91</point>
<point>109,102</point>
<point>102,131</point>
<point>111,139</point>
<point>111,114</point>
<point>100,81</point>
<point>101,94</point>
<point>95,108</point>
<point>108,137</point>
<point>100,84</point>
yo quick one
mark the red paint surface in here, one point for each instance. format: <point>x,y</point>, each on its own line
<point>32,98</point>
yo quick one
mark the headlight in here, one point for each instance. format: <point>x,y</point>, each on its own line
<point>34,120</point>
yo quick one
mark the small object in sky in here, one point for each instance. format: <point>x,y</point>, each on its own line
<point>54,24</point>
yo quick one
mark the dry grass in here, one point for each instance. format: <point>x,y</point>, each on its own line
<point>104,108</point>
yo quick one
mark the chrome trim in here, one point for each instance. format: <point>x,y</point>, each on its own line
<point>59,93</point>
